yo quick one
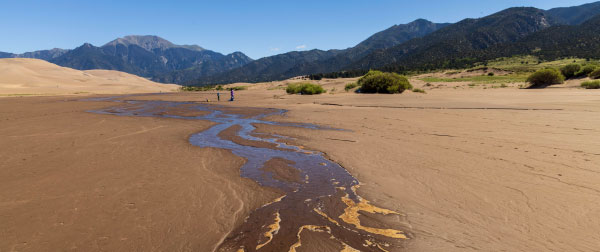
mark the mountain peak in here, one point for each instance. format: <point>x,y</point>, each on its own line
<point>150,43</point>
<point>420,21</point>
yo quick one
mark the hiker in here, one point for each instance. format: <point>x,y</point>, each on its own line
<point>231,95</point>
<point>218,96</point>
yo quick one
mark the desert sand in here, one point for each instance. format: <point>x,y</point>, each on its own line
<point>25,77</point>
<point>470,169</point>
<point>72,180</point>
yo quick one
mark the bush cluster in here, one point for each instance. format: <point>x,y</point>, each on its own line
<point>197,88</point>
<point>210,87</point>
<point>418,90</point>
<point>304,89</point>
<point>238,88</point>
<point>591,84</point>
<point>570,70</point>
<point>545,77</point>
<point>350,86</point>
<point>380,82</point>
<point>585,70</point>
<point>595,74</point>
<point>575,70</point>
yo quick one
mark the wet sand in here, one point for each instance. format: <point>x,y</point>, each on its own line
<point>472,169</point>
<point>490,170</point>
<point>72,180</point>
<point>319,195</point>
<point>282,170</point>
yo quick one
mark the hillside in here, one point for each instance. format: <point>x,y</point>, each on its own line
<point>556,42</point>
<point>38,77</point>
<point>448,46</point>
<point>438,51</point>
<point>577,14</point>
<point>292,64</point>
<point>41,54</point>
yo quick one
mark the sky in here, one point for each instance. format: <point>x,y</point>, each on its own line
<point>256,28</point>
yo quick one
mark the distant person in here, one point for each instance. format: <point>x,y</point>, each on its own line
<point>231,95</point>
<point>218,96</point>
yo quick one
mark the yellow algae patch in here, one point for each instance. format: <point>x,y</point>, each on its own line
<point>311,228</point>
<point>351,214</point>
<point>241,250</point>
<point>274,201</point>
<point>325,215</point>
<point>382,249</point>
<point>348,248</point>
<point>273,229</point>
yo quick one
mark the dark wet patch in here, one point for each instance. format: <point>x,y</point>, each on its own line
<point>282,170</point>
<point>248,112</point>
<point>183,110</point>
<point>231,134</point>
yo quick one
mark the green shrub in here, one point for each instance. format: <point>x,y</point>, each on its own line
<point>380,82</point>
<point>238,88</point>
<point>350,86</point>
<point>570,70</point>
<point>490,74</point>
<point>585,70</point>
<point>304,89</point>
<point>591,85</point>
<point>418,90</point>
<point>197,88</point>
<point>545,77</point>
<point>219,87</point>
<point>595,74</point>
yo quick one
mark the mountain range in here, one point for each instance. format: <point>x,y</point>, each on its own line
<point>148,56</point>
<point>292,64</point>
<point>418,45</point>
<point>436,46</point>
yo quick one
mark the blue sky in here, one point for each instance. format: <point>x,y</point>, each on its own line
<point>257,28</point>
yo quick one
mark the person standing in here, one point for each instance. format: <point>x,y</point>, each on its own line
<point>218,96</point>
<point>231,95</point>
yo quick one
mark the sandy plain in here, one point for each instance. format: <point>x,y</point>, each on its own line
<point>471,169</point>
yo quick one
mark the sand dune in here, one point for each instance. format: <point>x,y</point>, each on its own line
<point>38,77</point>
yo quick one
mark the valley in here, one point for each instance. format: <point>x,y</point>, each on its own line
<point>354,126</point>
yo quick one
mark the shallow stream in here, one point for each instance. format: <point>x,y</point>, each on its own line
<point>323,200</point>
